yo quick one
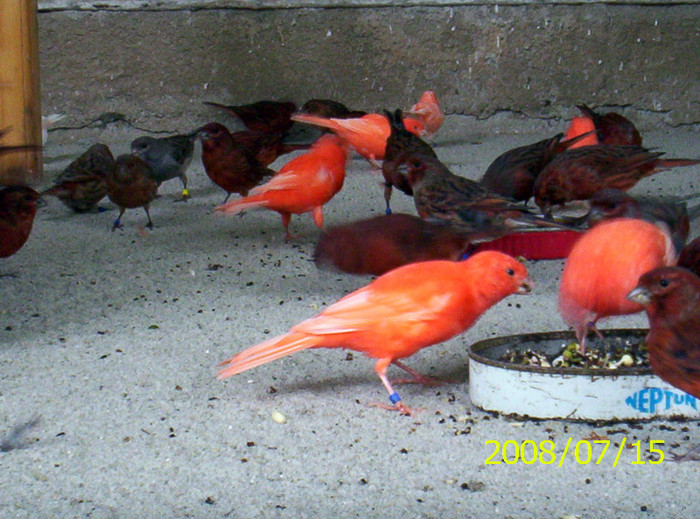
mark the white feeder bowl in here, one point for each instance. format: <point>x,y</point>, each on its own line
<point>570,393</point>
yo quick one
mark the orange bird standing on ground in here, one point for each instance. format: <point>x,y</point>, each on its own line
<point>604,266</point>
<point>671,297</point>
<point>367,134</point>
<point>303,185</point>
<point>399,313</point>
<point>428,111</point>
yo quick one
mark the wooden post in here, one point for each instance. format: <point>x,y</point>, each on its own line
<point>20,103</point>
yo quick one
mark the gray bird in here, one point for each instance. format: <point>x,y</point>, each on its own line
<point>168,157</point>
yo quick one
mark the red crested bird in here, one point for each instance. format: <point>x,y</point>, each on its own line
<point>382,243</point>
<point>398,314</point>
<point>83,183</point>
<point>577,174</point>
<point>428,111</point>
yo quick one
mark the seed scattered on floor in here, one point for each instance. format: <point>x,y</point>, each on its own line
<point>278,417</point>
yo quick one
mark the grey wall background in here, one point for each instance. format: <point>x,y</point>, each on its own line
<point>496,66</point>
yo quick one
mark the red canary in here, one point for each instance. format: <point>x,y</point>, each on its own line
<point>382,243</point>
<point>303,184</point>
<point>367,134</point>
<point>513,173</point>
<point>227,163</point>
<point>262,116</point>
<point>602,268</point>
<point>690,256</point>
<point>17,210</point>
<point>398,314</point>
<point>579,126</point>
<point>612,128</point>
<point>428,111</point>
<point>671,298</point>
<point>577,174</point>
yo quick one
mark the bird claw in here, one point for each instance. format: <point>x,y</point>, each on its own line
<point>401,408</point>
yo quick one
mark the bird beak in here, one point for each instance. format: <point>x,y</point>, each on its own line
<point>640,295</point>
<point>526,286</point>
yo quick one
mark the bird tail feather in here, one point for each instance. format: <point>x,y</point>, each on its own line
<point>237,206</point>
<point>315,120</point>
<point>675,163</point>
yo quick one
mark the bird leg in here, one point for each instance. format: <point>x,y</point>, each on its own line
<point>286,220</point>
<point>150,223</point>
<point>417,378</point>
<point>387,196</point>
<point>117,223</point>
<point>380,368</point>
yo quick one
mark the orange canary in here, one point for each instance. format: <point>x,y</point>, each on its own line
<point>428,111</point>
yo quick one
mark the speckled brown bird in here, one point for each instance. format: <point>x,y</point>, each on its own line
<point>131,185</point>
<point>690,257</point>
<point>671,298</point>
<point>18,206</point>
<point>513,173</point>
<point>262,116</point>
<point>228,164</point>
<point>577,174</point>
<point>465,204</point>
<point>607,204</point>
<point>83,183</point>
<point>612,128</point>
<point>399,145</point>
<point>382,243</point>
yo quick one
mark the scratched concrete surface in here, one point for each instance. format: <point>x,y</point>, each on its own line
<point>112,339</point>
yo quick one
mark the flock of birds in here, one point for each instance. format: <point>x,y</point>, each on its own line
<point>631,256</point>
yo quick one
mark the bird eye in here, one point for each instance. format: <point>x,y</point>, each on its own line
<point>663,282</point>
<point>510,272</point>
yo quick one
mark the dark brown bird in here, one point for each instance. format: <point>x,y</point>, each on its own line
<point>329,108</point>
<point>690,257</point>
<point>513,173</point>
<point>577,174</point>
<point>465,204</point>
<point>266,147</point>
<point>262,116</point>
<point>400,144</point>
<point>17,209</point>
<point>83,183</point>
<point>131,185</point>
<point>228,164</point>
<point>607,204</point>
<point>613,128</point>
<point>382,243</point>
<point>671,298</point>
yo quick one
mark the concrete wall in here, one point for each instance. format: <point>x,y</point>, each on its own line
<point>500,66</point>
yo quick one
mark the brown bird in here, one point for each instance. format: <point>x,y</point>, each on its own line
<point>671,216</point>
<point>382,243</point>
<point>17,209</point>
<point>399,145</point>
<point>577,174</point>
<point>690,257</point>
<point>329,108</point>
<point>83,183</point>
<point>265,147</point>
<point>227,163</point>
<point>465,204</point>
<point>262,116</point>
<point>513,173</point>
<point>131,185</point>
<point>671,298</point>
<point>612,128</point>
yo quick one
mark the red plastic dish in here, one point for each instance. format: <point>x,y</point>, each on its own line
<point>534,245</point>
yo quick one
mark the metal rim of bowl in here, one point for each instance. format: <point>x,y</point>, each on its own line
<point>474,351</point>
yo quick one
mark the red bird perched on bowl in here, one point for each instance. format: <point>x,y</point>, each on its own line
<point>367,134</point>
<point>612,128</point>
<point>398,314</point>
<point>262,116</point>
<point>131,185</point>
<point>382,243</point>
<point>513,173</point>
<point>428,111</point>
<point>463,203</point>
<point>329,108</point>
<point>671,298</point>
<point>399,145</point>
<point>227,163</point>
<point>583,127</point>
<point>690,257</point>
<point>303,185</point>
<point>604,266</point>
<point>18,206</point>
<point>579,173</point>
<point>671,216</point>
<point>83,183</point>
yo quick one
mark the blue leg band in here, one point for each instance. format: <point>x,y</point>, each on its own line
<point>394,398</point>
